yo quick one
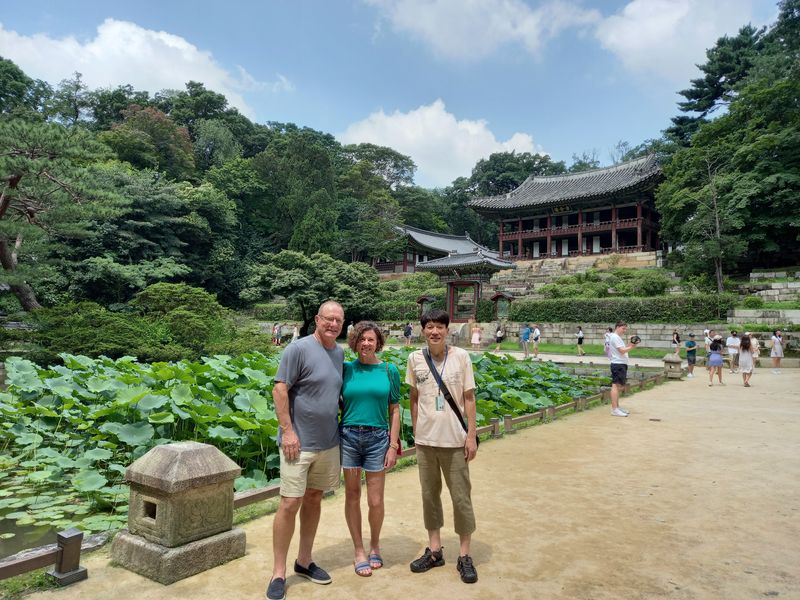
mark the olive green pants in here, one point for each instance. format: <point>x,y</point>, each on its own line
<point>432,464</point>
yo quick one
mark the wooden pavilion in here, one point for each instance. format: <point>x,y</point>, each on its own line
<point>601,211</point>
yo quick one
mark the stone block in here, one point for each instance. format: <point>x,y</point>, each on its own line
<point>168,565</point>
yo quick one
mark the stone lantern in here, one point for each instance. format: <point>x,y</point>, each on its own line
<point>672,366</point>
<point>180,515</point>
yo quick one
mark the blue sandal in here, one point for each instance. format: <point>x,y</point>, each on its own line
<point>363,568</point>
<point>375,560</point>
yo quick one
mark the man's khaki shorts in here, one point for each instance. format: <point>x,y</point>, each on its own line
<point>313,470</point>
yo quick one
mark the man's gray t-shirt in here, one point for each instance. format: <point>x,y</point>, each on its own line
<point>313,375</point>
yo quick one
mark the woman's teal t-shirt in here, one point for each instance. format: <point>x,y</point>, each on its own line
<point>367,391</point>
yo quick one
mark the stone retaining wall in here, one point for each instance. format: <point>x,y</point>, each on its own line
<point>764,315</point>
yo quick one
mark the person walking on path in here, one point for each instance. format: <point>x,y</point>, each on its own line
<point>776,353</point>
<point>676,341</point>
<point>691,356</point>
<point>407,331</point>
<point>746,359</point>
<point>499,335</point>
<point>714,360</point>
<point>732,344</point>
<point>619,365</point>
<point>306,396</point>
<point>580,336</point>
<point>476,336</point>
<point>370,438</point>
<point>536,334</point>
<point>607,342</point>
<point>442,398</point>
<point>709,337</point>
<point>525,338</point>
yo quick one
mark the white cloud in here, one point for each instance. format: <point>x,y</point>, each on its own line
<point>125,53</point>
<point>473,29</point>
<point>442,146</point>
<point>669,37</point>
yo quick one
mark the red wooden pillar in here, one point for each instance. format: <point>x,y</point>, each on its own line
<point>500,237</point>
<point>639,225</point>
<point>519,237</point>
<point>580,231</point>
<point>548,234</point>
<point>613,228</point>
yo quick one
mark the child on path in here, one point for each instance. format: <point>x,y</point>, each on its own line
<point>691,355</point>
<point>777,351</point>
<point>579,335</point>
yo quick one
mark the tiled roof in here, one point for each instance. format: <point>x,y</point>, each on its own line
<point>557,189</point>
<point>480,261</point>
<point>441,242</point>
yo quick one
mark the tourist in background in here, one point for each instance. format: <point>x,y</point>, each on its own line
<point>676,341</point>
<point>499,335</point>
<point>407,331</point>
<point>755,345</point>
<point>536,334</point>
<point>732,343</point>
<point>579,336</point>
<point>370,438</point>
<point>525,338</point>
<point>746,359</point>
<point>306,396</point>
<point>607,342</point>
<point>476,336</point>
<point>295,332</point>
<point>619,365</point>
<point>709,337</point>
<point>691,355</point>
<point>776,353</point>
<point>714,360</point>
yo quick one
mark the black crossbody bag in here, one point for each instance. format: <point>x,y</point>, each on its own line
<point>446,393</point>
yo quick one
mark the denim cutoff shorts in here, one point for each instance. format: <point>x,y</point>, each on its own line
<point>364,447</point>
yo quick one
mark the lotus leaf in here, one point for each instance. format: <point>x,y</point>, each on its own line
<point>135,434</point>
<point>226,434</point>
<point>88,481</point>
<point>98,454</point>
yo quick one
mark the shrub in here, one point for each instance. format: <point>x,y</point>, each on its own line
<point>705,307</point>
<point>274,312</point>
<point>396,311</point>
<point>485,312</point>
<point>161,298</point>
<point>753,302</point>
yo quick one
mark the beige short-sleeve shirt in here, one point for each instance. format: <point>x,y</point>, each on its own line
<point>440,428</point>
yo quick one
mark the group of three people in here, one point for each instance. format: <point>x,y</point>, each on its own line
<point>313,385</point>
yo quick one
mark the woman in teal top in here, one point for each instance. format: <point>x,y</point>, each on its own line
<point>370,433</point>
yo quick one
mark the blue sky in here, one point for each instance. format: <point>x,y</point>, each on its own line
<point>445,81</point>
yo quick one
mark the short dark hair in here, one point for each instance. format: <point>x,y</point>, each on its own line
<point>435,315</point>
<point>620,324</point>
<point>359,329</point>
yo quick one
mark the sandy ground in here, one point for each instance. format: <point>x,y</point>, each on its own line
<point>695,495</point>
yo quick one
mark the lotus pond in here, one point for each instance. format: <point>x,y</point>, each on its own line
<point>68,432</point>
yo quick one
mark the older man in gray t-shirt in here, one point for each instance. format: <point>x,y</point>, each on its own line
<point>306,394</point>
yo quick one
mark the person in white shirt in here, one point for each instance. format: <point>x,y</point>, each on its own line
<point>619,366</point>
<point>536,335</point>
<point>733,343</point>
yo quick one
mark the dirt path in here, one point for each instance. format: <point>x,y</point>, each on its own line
<point>695,495</point>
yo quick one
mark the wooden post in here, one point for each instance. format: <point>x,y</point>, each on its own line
<point>67,568</point>
<point>613,228</point>
<point>500,238</point>
<point>580,232</point>
<point>496,434</point>
<point>639,225</point>
<point>508,424</point>
<point>519,237</point>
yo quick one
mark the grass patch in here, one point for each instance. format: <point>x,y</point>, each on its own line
<point>27,583</point>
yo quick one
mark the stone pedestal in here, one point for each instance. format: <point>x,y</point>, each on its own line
<point>180,515</point>
<point>672,366</point>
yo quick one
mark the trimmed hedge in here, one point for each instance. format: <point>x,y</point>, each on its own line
<point>665,309</point>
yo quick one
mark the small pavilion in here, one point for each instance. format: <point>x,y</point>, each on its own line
<point>602,211</point>
<point>423,246</point>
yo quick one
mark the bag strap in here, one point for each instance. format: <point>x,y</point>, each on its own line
<point>443,388</point>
